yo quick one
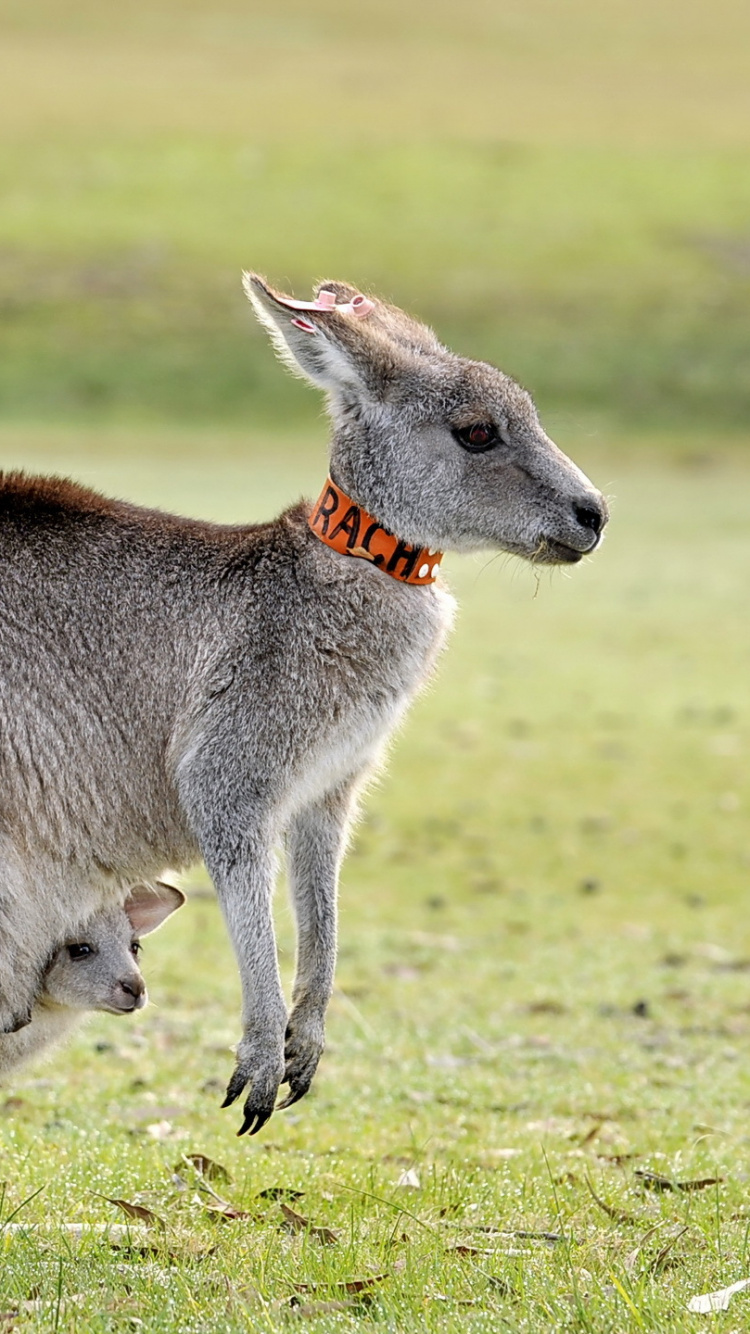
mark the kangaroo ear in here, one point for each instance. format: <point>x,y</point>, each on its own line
<point>147,906</point>
<point>320,340</point>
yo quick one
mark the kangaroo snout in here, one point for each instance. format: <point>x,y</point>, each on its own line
<point>130,994</point>
<point>591,514</point>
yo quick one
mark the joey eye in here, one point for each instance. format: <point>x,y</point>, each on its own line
<point>477,437</point>
<point>136,948</point>
<point>79,951</point>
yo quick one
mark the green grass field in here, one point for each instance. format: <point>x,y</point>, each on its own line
<point>542,987</point>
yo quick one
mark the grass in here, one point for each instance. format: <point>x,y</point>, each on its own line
<point>542,983</point>
<point>562,189</point>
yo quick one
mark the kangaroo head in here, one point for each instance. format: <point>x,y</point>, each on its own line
<point>445,452</point>
<point>97,969</point>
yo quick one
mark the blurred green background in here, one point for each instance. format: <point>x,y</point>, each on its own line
<point>560,187</point>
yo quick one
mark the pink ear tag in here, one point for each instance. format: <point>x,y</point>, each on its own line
<point>361,306</point>
<point>325,301</point>
<point>304,325</point>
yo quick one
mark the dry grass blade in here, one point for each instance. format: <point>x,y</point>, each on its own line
<point>298,1223</point>
<point>618,1215</point>
<point>490,1230</point>
<point>660,1261</point>
<point>631,1259</point>
<point>551,1237</point>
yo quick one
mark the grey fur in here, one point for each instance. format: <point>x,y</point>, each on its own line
<point>106,978</point>
<point>171,689</point>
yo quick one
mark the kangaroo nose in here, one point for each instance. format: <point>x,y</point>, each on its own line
<point>591,514</point>
<point>135,987</point>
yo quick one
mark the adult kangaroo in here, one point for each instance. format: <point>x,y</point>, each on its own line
<point>172,689</point>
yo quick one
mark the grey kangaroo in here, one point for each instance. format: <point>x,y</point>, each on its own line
<point>97,970</point>
<point>173,689</point>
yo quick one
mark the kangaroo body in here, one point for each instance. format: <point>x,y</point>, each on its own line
<point>171,689</point>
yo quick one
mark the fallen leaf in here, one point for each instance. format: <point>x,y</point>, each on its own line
<point>716,1301</point>
<point>298,1223</point>
<point>653,1181</point>
<point>206,1166</point>
<point>138,1211</point>
<point>409,1180</point>
<point>462,1249</point>
<point>280,1193</point>
<point>700,1184</point>
<point>11,1105</point>
<point>348,1286</point>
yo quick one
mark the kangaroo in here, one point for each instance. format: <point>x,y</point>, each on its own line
<point>172,689</point>
<point>98,970</point>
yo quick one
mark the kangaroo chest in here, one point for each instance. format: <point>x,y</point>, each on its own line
<point>364,673</point>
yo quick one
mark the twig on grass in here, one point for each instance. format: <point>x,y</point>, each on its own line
<point>618,1215</point>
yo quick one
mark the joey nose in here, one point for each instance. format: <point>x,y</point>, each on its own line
<point>135,988</point>
<point>591,513</point>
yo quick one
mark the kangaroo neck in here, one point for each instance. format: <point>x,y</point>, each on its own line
<point>346,527</point>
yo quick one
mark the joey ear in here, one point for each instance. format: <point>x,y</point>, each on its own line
<point>148,906</point>
<point>314,339</point>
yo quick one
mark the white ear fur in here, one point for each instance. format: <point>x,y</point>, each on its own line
<point>148,906</point>
<point>313,356</point>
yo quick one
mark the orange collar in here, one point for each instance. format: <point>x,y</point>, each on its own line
<point>350,530</point>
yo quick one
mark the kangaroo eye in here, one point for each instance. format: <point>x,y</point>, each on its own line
<point>136,948</point>
<point>476,438</point>
<point>79,951</point>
